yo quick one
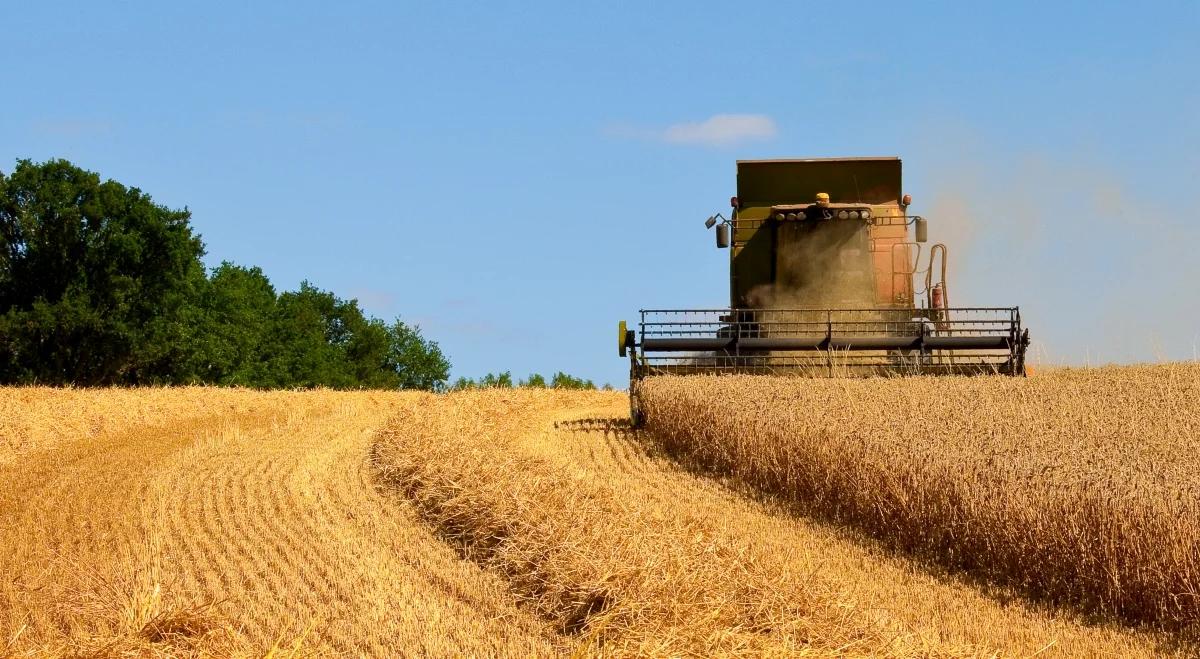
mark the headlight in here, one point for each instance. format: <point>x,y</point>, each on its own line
<point>843,215</point>
<point>866,214</point>
<point>791,216</point>
<point>779,216</point>
<point>854,215</point>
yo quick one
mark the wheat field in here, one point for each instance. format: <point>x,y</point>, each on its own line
<point>507,523</point>
<point>1078,485</point>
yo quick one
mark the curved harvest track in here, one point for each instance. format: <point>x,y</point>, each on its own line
<point>269,511</point>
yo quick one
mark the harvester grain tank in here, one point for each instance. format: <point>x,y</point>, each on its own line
<point>830,274</point>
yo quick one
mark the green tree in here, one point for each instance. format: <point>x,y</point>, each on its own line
<point>97,282</point>
<point>303,340</point>
<point>417,361</point>
<point>563,381</point>
<point>463,383</point>
<point>534,380</point>
<point>99,285</point>
<point>237,308</point>
<point>320,340</point>
<point>500,380</point>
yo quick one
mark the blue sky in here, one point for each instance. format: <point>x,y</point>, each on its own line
<point>517,178</point>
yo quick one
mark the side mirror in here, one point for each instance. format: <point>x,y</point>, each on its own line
<point>722,236</point>
<point>922,227</point>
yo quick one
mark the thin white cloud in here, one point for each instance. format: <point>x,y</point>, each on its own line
<point>722,130</point>
<point>717,130</point>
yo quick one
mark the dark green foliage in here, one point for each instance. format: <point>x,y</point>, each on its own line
<point>97,282</point>
<point>310,338</point>
<point>321,340</point>
<point>234,339</point>
<point>99,285</point>
<point>418,361</point>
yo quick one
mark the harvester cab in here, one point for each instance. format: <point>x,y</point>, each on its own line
<point>829,275</point>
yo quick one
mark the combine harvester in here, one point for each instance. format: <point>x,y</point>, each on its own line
<point>827,277</point>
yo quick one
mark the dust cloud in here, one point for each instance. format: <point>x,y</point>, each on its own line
<point>819,265</point>
<point>1102,274</point>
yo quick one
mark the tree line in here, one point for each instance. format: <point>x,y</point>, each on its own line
<point>504,380</point>
<point>99,285</point>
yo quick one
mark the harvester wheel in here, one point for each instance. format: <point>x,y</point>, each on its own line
<point>636,418</point>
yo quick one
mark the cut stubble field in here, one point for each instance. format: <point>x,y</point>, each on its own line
<point>215,522</point>
<point>238,524</point>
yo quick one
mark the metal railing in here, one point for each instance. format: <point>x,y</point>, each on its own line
<point>830,341</point>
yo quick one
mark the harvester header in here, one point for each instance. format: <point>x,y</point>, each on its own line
<point>829,275</point>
